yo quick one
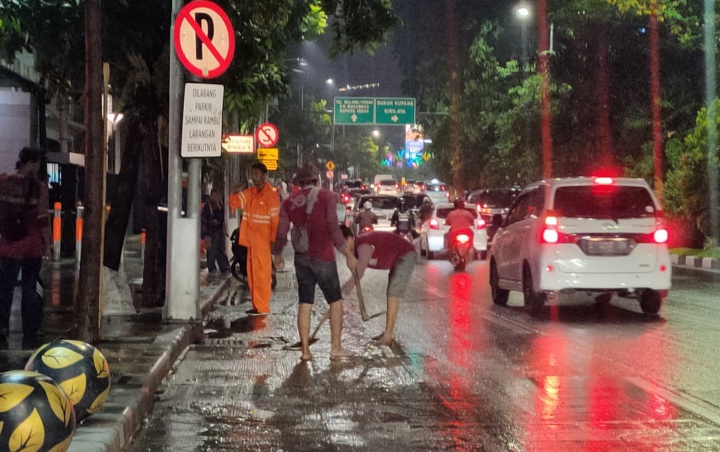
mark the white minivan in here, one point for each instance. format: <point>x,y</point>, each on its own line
<point>599,235</point>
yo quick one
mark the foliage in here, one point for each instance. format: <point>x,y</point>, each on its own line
<point>687,188</point>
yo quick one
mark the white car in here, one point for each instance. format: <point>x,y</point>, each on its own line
<point>437,191</point>
<point>387,187</point>
<point>432,231</point>
<point>383,207</point>
<point>600,235</point>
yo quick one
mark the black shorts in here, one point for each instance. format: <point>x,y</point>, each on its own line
<point>309,272</point>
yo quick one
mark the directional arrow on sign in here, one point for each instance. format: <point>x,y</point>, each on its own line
<point>354,118</point>
<point>395,118</point>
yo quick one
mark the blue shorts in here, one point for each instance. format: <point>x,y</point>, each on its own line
<point>309,272</point>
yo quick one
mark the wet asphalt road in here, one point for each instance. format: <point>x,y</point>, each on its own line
<point>464,375</point>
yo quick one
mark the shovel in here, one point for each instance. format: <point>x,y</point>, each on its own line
<point>298,345</point>
<point>361,300</point>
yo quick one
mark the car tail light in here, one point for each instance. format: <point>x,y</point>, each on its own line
<point>462,238</point>
<point>604,180</point>
<point>481,224</point>
<point>434,224</point>
<point>659,235</point>
<point>550,234</point>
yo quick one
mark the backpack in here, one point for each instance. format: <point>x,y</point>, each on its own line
<point>16,210</point>
<point>299,234</point>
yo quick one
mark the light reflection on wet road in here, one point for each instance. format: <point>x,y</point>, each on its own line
<point>466,375</point>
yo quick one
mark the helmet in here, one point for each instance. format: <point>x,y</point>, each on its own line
<point>367,205</point>
<point>459,203</point>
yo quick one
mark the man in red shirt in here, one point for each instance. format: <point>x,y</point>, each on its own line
<point>316,266</point>
<point>459,220</point>
<point>382,250</point>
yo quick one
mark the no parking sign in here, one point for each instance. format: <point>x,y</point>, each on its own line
<point>204,39</point>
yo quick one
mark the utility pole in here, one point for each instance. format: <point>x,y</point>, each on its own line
<point>91,264</point>
<point>182,284</point>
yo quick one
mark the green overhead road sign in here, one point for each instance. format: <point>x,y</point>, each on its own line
<point>371,110</point>
<point>354,110</point>
<point>394,110</point>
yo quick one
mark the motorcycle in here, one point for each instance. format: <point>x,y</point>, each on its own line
<point>404,229</point>
<point>365,229</point>
<point>238,261</point>
<point>459,248</point>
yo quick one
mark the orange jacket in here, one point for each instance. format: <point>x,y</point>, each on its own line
<point>261,214</point>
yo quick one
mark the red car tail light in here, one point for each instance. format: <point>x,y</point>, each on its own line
<point>550,234</point>
<point>434,224</point>
<point>481,224</point>
<point>658,236</point>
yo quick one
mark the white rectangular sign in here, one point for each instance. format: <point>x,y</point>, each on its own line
<point>202,120</point>
<point>239,144</point>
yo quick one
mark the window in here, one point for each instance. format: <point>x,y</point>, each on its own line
<point>518,211</point>
<point>435,187</point>
<point>388,182</point>
<point>380,202</point>
<point>607,201</point>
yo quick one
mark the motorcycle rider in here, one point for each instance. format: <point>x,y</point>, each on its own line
<point>403,219</point>
<point>366,218</point>
<point>425,212</point>
<point>459,220</point>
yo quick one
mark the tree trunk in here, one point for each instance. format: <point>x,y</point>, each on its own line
<point>156,224</point>
<point>88,295</point>
<point>122,197</point>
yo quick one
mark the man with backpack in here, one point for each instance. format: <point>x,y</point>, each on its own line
<point>313,215</point>
<point>24,241</point>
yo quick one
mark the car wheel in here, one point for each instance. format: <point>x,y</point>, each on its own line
<point>499,296</point>
<point>650,302</point>
<point>534,301</point>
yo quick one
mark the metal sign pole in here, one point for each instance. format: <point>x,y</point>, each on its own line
<point>182,271</point>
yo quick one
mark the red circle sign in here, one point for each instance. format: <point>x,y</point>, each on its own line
<point>204,39</point>
<point>267,135</point>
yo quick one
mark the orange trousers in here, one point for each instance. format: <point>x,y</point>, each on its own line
<point>259,273</point>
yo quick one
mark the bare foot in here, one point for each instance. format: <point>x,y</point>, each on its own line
<point>382,340</point>
<point>340,354</point>
<point>378,336</point>
<point>306,357</point>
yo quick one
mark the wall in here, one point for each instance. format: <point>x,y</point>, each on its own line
<point>15,119</point>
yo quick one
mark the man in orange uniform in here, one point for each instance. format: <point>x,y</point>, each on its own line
<point>261,213</point>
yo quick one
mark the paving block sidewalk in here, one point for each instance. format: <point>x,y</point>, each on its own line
<point>707,263</point>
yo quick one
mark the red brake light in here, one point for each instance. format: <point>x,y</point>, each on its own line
<point>550,236</point>
<point>604,180</point>
<point>551,221</point>
<point>481,224</point>
<point>660,235</point>
<point>462,238</point>
<point>434,224</point>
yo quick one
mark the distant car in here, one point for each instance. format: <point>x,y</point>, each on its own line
<point>351,184</point>
<point>354,194</point>
<point>437,191</point>
<point>387,187</point>
<point>408,187</point>
<point>432,232</point>
<point>588,234</point>
<point>418,187</point>
<point>383,206</point>
<point>494,201</point>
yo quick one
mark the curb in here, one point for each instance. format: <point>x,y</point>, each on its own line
<point>112,429</point>
<point>707,263</point>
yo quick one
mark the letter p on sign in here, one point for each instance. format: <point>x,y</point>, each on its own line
<point>204,39</point>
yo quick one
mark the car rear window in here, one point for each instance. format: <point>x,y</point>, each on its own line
<point>610,201</point>
<point>435,188</point>
<point>388,182</point>
<point>381,203</point>
<point>496,199</point>
<point>444,211</point>
<point>353,184</point>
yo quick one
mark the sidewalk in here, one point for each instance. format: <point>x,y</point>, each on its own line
<point>140,349</point>
<point>706,263</point>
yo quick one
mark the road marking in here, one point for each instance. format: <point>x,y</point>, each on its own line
<point>685,401</point>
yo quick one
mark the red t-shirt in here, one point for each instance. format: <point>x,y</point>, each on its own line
<point>33,245</point>
<point>388,248</point>
<point>459,219</point>
<point>322,224</point>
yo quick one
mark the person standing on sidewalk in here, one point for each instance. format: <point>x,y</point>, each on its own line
<point>24,241</point>
<point>382,250</point>
<point>261,210</point>
<point>316,265</point>
<point>213,232</point>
